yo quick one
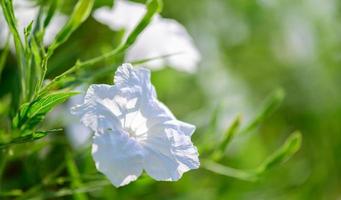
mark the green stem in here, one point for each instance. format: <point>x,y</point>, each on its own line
<point>228,171</point>
<point>78,65</point>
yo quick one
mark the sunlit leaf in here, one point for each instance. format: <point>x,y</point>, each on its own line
<point>32,113</point>
<point>80,13</point>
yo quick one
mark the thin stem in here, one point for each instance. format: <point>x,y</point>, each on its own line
<point>78,65</point>
<point>228,171</point>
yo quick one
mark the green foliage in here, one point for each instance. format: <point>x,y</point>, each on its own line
<point>282,154</point>
<point>3,57</point>
<point>153,7</point>
<point>80,13</point>
<point>8,12</point>
<point>31,114</point>
<point>50,169</point>
<point>271,104</point>
<point>28,137</point>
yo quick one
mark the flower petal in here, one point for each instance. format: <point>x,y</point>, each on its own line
<point>118,157</point>
<point>168,153</point>
<point>138,79</point>
<point>162,37</point>
<point>99,111</point>
<point>166,37</point>
<point>124,15</point>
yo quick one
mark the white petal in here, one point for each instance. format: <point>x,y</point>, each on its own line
<point>129,120</point>
<point>166,37</point>
<point>118,157</point>
<point>100,111</point>
<point>182,127</point>
<point>162,37</point>
<point>134,78</point>
<point>123,15</point>
<point>169,153</point>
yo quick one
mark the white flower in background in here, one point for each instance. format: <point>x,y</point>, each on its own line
<point>134,131</point>
<point>26,12</point>
<point>162,37</point>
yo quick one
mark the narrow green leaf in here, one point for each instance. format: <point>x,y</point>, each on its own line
<point>153,7</point>
<point>80,13</point>
<point>227,137</point>
<point>44,104</point>
<point>50,12</point>
<point>28,138</point>
<point>230,133</point>
<point>8,12</point>
<point>271,104</point>
<point>3,57</point>
<point>31,114</point>
<point>285,152</point>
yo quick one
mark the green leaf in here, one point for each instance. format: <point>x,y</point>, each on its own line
<point>101,3</point>
<point>50,12</point>
<point>32,113</point>
<point>153,7</point>
<point>8,12</point>
<point>80,13</point>
<point>285,152</point>
<point>227,137</point>
<point>3,57</point>
<point>271,104</point>
<point>29,137</point>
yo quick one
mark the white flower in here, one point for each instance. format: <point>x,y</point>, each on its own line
<point>162,37</point>
<point>134,131</point>
<point>26,12</point>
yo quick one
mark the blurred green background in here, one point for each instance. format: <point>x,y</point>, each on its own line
<point>249,49</point>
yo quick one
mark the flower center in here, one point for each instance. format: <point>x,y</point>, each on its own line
<point>131,133</point>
